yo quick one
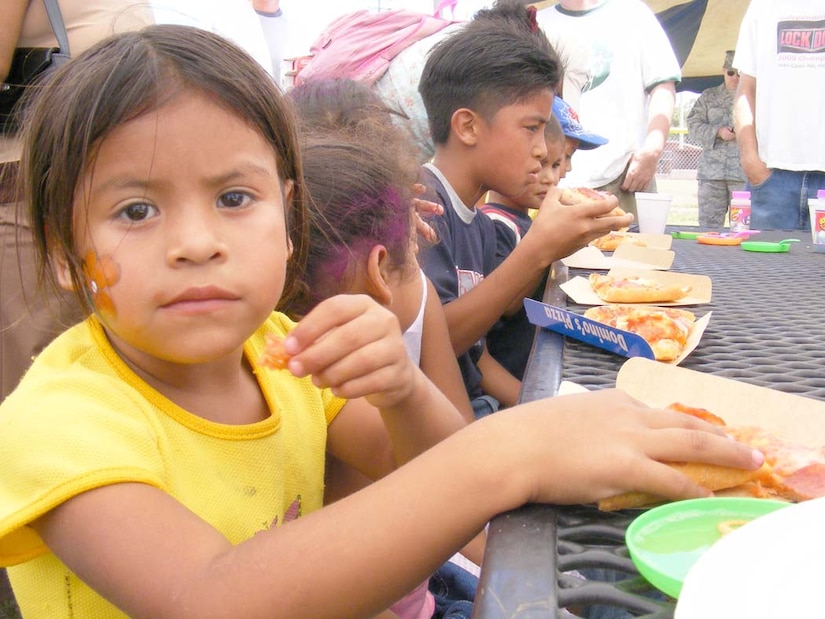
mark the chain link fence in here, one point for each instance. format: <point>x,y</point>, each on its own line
<point>676,171</point>
<point>679,153</point>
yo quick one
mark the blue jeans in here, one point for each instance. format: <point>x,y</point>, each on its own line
<point>781,201</point>
<point>454,590</point>
<point>484,405</point>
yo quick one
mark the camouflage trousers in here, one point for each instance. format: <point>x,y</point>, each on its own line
<point>714,201</point>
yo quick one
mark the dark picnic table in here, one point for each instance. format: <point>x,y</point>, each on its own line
<point>767,328</point>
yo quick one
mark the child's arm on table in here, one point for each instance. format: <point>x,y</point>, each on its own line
<point>152,557</point>
<point>557,231</point>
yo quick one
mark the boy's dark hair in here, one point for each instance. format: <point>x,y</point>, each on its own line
<point>499,58</point>
<point>120,79</point>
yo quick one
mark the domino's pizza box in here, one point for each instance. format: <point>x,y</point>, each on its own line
<point>626,255</point>
<point>580,291</point>
<point>792,417</point>
<point>602,336</point>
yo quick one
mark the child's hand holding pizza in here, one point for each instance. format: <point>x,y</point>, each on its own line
<point>569,219</point>
<point>611,444</point>
<point>354,346</point>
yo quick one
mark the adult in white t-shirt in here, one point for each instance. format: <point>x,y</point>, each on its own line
<point>628,95</point>
<point>778,110</point>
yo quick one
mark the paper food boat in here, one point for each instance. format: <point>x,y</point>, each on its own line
<point>602,336</point>
<point>627,255</point>
<point>791,417</point>
<point>581,292</point>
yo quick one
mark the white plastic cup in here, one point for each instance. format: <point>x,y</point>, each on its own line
<point>652,210</point>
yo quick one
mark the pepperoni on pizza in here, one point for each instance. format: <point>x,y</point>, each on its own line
<point>665,329</point>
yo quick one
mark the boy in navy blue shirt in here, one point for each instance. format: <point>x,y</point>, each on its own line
<point>510,339</point>
<point>488,91</point>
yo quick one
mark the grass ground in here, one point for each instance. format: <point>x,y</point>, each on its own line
<point>684,210</point>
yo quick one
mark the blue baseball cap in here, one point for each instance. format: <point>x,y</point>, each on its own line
<point>572,128</point>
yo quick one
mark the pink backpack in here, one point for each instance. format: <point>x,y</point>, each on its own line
<point>361,45</point>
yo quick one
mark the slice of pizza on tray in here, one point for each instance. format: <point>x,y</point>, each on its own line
<point>612,240</point>
<point>636,289</point>
<point>666,329</point>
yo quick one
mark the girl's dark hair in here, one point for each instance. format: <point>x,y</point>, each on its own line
<point>120,79</point>
<point>359,171</point>
<point>499,58</point>
<point>339,103</point>
<point>358,198</point>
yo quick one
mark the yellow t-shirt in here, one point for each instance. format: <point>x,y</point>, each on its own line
<point>81,419</point>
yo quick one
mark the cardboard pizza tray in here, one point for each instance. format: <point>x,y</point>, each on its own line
<point>627,255</point>
<point>581,292</point>
<point>602,336</point>
<point>653,241</point>
<point>568,387</point>
<point>792,417</point>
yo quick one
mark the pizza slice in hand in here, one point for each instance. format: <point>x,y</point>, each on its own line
<point>275,356</point>
<point>791,472</point>
<point>576,195</point>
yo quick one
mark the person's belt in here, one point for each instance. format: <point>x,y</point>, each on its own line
<point>8,181</point>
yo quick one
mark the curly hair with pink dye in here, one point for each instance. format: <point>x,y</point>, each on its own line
<point>359,173</point>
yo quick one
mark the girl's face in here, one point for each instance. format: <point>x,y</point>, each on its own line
<point>181,221</point>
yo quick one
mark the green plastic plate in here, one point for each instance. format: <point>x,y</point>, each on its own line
<point>666,541</point>
<point>685,235</point>
<point>768,247</point>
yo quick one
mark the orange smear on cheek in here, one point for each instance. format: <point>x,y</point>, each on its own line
<point>101,274</point>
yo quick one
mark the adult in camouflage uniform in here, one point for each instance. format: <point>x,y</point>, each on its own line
<point>710,125</point>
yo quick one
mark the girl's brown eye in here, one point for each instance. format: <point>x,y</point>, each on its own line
<point>137,212</point>
<point>234,199</point>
